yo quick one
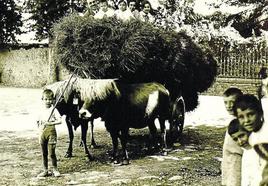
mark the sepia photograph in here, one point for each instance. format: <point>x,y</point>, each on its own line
<point>134,92</point>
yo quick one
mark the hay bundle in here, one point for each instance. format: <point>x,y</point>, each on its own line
<point>135,52</point>
<point>198,64</point>
<point>87,43</point>
<point>143,56</point>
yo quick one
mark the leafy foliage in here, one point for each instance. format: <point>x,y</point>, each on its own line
<point>10,23</point>
<point>134,52</point>
<point>46,12</point>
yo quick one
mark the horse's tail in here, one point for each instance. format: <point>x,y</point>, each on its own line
<point>164,101</point>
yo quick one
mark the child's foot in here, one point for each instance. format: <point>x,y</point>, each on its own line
<point>43,174</point>
<point>56,173</point>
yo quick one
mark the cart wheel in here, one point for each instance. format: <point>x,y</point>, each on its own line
<point>181,117</point>
<point>178,114</point>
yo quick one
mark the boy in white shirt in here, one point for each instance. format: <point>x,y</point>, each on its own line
<point>232,152</point>
<point>48,118</point>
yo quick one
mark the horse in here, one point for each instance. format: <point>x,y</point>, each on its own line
<point>69,105</point>
<point>123,106</point>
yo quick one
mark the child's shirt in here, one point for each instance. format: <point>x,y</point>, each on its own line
<point>231,160</point>
<point>147,17</point>
<point>44,115</point>
<point>252,167</point>
<point>124,15</point>
<point>101,14</point>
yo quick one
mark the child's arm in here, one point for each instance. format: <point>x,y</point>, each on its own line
<point>264,181</point>
<point>262,150</point>
<point>56,119</point>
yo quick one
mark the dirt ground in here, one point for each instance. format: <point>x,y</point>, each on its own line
<point>194,160</point>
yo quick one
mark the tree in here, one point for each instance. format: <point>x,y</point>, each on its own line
<point>10,23</point>
<point>250,21</point>
<point>46,12</point>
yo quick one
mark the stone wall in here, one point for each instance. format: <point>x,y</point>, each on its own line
<point>28,68</point>
<point>221,84</point>
<point>35,68</point>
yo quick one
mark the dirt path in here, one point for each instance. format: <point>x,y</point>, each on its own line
<point>194,161</point>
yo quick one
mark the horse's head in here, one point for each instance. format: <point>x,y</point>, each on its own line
<point>96,95</point>
<point>85,111</point>
<point>177,118</point>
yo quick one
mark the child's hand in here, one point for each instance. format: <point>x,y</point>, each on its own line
<point>49,123</point>
<point>40,124</point>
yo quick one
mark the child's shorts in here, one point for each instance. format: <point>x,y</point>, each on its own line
<point>48,136</point>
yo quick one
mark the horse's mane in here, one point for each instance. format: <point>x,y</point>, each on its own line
<point>96,89</point>
<point>58,88</point>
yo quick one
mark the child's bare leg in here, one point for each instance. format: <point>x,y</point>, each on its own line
<point>44,156</point>
<point>44,151</point>
<point>52,150</point>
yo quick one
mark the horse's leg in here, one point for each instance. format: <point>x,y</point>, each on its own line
<point>163,136</point>
<point>93,143</point>
<point>123,139</point>
<point>153,134</point>
<point>69,152</point>
<point>114,135</point>
<point>84,128</point>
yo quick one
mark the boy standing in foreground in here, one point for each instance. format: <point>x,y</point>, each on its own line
<point>48,118</point>
<point>232,152</point>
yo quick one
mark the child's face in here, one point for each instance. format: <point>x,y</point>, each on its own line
<point>229,103</point>
<point>147,8</point>
<point>132,5</point>
<point>241,138</point>
<point>249,119</point>
<point>92,4</point>
<point>48,101</point>
<point>122,6</point>
<point>104,6</point>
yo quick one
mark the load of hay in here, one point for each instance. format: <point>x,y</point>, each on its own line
<point>134,51</point>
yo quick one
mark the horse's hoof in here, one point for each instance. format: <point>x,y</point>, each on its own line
<point>116,162</point>
<point>165,153</point>
<point>125,162</point>
<point>90,157</point>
